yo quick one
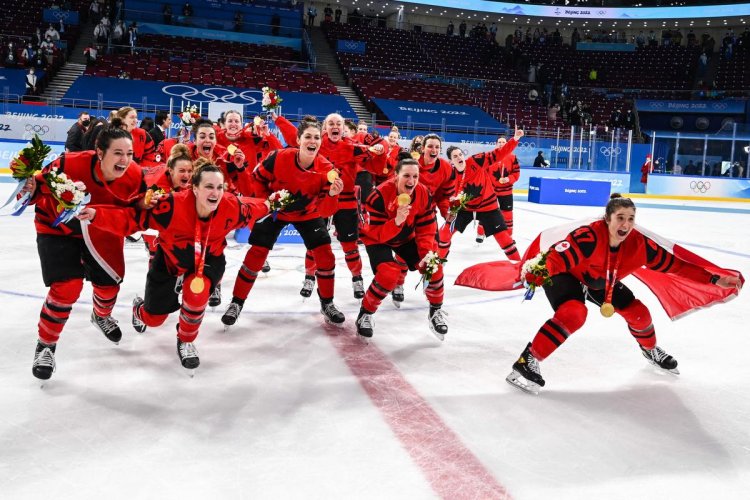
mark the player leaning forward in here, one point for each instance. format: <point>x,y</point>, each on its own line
<point>589,264</point>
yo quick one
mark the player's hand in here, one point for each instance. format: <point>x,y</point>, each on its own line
<point>518,134</point>
<point>28,187</point>
<point>238,158</point>
<point>377,149</point>
<point>336,187</point>
<point>730,282</point>
<point>87,213</point>
<point>402,213</point>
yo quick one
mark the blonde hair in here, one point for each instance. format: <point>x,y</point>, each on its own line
<point>178,152</point>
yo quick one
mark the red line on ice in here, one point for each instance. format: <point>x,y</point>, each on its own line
<point>451,469</point>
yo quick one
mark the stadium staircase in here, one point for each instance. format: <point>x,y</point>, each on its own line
<point>326,59</point>
<point>73,68</point>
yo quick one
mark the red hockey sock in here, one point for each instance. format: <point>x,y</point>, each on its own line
<point>192,310</point>
<point>325,263</point>
<point>508,216</point>
<point>56,309</point>
<point>435,289</point>
<point>444,240</point>
<point>404,269</point>
<point>104,299</point>
<point>639,322</point>
<point>506,242</point>
<point>249,270</point>
<point>386,277</point>
<point>309,263</point>
<point>151,319</point>
<point>568,318</point>
<point>480,230</point>
<point>351,255</point>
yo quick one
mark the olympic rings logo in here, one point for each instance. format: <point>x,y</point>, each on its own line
<point>700,186</point>
<point>350,44</point>
<point>719,105</point>
<point>60,14</point>
<point>610,151</point>
<point>213,94</point>
<point>526,146</point>
<point>36,129</point>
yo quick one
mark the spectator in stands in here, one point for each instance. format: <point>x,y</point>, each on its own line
<point>629,120</point>
<point>10,56</point>
<point>31,83</point>
<point>28,54</point>
<point>450,29</point>
<point>91,52</point>
<point>646,169</point>
<point>162,122</point>
<point>552,112</point>
<point>118,33</point>
<point>539,161</point>
<point>640,40</point>
<point>328,13</point>
<point>533,96</point>
<point>652,39</point>
<point>100,33</point>
<point>337,15</point>
<point>74,141</point>
<point>187,10</point>
<point>94,11</point>
<point>238,21</point>
<point>132,37</point>
<point>616,118</point>
<point>462,29</point>
<point>147,124</point>
<point>123,75</point>
<point>167,13</point>
<point>48,48</point>
<point>275,24</point>
<point>575,37</point>
<point>493,32</point>
<point>312,13</point>
<point>52,33</point>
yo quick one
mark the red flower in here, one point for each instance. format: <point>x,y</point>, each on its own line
<point>67,196</point>
<point>529,278</point>
<point>538,280</point>
<point>23,159</point>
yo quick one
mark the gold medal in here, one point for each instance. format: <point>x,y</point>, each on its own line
<point>197,285</point>
<point>257,120</point>
<point>415,155</point>
<point>607,310</point>
<point>332,175</point>
<point>148,197</point>
<point>403,199</point>
<point>385,170</point>
<point>231,149</point>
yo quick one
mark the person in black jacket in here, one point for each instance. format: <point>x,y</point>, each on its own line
<point>74,142</point>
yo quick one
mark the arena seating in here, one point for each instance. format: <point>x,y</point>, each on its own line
<point>733,73</point>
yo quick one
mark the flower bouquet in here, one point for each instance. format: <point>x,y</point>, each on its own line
<point>456,204</point>
<point>429,266</point>
<point>278,201</point>
<point>188,117</point>
<point>534,274</point>
<point>71,195</point>
<point>271,100</point>
<point>28,162</point>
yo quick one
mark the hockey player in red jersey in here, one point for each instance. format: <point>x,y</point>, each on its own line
<point>401,224</point>
<point>193,225</point>
<point>144,149</point>
<point>504,173</point>
<point>111,177</point>
<point>345,155</point>
<point>473,181</point>
<point>256,142</point>
<point>308,177</point>
<point>589,264</point>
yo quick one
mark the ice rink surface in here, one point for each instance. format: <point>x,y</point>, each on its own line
<point>283,406</point>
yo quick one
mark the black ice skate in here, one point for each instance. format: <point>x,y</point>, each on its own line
<point>358,286</point>
<point>331,313</point>
<point>479,238</point>
<point>215,299</point>
<point>398,296</point>
<point>136,320</point>
<point>364,324</point>
<point>188,355</point>
<point>44,360</point>
<point>308,286</point>
<point>266,267</point>
<point>108,326</point>
<point>437,323</point>
<point>526,374</point>
<point>230,316</point>
<point>658,357</point>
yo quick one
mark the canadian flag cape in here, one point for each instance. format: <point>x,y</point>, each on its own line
<point>678,296</point>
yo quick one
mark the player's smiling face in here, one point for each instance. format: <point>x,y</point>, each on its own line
<point>130,120</point>
<point>181,173</point>
<point>334,127</point>
<point>393,139</point>
<point>407,179</point>
<point>205,140</point>
<point>233,123</point>
<point>309,143</point>
<point>458,160</point>
<point>208,193</point>
<point>116,159</point>
<point>620,223</point>
<point>431,151</point>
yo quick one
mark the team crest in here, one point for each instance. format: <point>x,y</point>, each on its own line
<point>562,246</point>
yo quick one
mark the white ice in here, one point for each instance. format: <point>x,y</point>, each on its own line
<point>275,412</point>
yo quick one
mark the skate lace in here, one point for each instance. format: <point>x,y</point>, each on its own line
<point>308,284</point>
<point>217,292</point>
<point>658,354</point>
<point>331,310</point>
<point>187,350</point>
<point>358,286</point>
<point>107,324</point>
<point>44,358</point>
<point>533,364</point>
<point>399,290</point>
<point>233,310</point>
<point>438,317</point>
<point>365,321</point>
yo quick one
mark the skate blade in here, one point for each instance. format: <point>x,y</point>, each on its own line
<point>517,380</point>
<point>364,340</point>
<point>397,304</point>
<point>227,327</point>
<point>191,372</point>
<point>337,325</point>
<point>438,335</point>
<point>673,371</point>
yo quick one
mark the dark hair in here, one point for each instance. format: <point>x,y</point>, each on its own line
<point>406,161</point>
<point>147,123</point>
<point>451,149</point>
<point>202,123</point>
<point>616,201</point>
<point>179,152</point>
<point>83,113</point>
<point>350,125</point>
<point>110,133</point>
<point>204,167</point>
<point>89,138</point>
<point>161,116</point>
<point>433,137</point>
<point>416,143</point>
<point>307,122</point>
